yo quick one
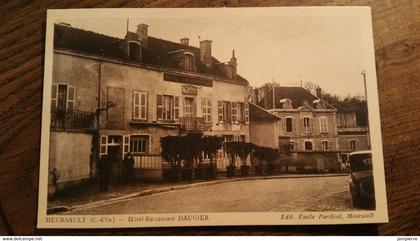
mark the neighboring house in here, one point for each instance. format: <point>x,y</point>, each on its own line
<point>351,137</point>
<point>135,90</point>
<point>308,121</point>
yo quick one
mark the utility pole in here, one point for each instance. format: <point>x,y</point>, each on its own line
<point>274,99</point>
<point>363,73</point>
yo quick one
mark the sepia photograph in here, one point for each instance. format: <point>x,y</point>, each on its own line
<point>185,117</point>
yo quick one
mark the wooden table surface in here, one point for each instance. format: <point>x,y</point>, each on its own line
<point>396,27</point>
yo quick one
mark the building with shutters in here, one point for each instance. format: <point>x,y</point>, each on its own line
<point>111,96</point>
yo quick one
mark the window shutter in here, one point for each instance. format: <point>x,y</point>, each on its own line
<point>246,110</point>
<point>103,146</point>
<point>70,97</point>
<point>136,105</point>
<point>294,125</point>
<point>176,107</point>
<point>126,144</point>
<point>209,110</point>
<point>53,96</point>
<point>220,111</point>
<point>159,107</point>
<point>143,105</point>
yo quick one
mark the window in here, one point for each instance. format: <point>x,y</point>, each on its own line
<point>189,107</point>
<point>206,109</point>
<point>134,51</point>
<point>63,97</point>
<point>306,124</point>
<point>308,145</point>
<point>140,105</point>
<point>289,124</point>
<point>167,107</point>
<point>189,61</point>
<point>220,111</point>
<point>246,113</point>
<point>104,145</point>
<point>139,144</point>
<point>353,145</point>
<point>234,112</point>
<point>292,145</point>
<point>323,124</point>
<point>324,145</point>
<point>227,111</point>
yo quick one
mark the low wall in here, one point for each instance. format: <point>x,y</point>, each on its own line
<point>69,159</point>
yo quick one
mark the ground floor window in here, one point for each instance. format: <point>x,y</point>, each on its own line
<point>308,145</point>
<point>292,145</point>
<point>353,145</point>
<point>139,144</point>
<point>325,146</point>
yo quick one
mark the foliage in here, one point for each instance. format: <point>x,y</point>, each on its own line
<point>241,149</point>
<point>349,103</point>
<point>266,154</point>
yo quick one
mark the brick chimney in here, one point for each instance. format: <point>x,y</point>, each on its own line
<point>205,52</point>
<point>142,33</point>
<point>185,41</point>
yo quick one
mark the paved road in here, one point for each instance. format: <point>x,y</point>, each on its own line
<point>292,194</point>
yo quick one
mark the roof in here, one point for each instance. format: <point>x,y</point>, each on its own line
<point>297,95</point>
<point>156,53</point>
<point>257,113</point>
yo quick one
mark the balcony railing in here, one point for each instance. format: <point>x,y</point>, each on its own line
<point>193,124</point>
<point>71,119</point>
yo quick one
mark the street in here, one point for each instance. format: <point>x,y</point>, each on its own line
<point>269,195</point>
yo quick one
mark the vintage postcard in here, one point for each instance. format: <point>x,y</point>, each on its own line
<point>199,117</point>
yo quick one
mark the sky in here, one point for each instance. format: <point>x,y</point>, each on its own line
<point>328,50</point>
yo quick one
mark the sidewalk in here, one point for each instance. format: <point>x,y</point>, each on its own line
<point>89,196</point>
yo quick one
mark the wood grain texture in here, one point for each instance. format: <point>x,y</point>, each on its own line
<point>396,26</point>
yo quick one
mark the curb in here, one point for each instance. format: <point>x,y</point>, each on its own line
<point>63,209</point>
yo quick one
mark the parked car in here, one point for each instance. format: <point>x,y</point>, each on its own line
<point>361,182</point>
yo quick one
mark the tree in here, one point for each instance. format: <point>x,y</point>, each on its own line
<point>267,155</point>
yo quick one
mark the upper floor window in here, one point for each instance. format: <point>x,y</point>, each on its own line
<point>325,146</point>
<point>167,107</point>
<point>139,105</point>
<point>235,112</point>
<point>308,145</point>
<point>289,124</point>
<point>134,51</point>
<point>189,107</point>
<point>206,109</point>
<point>323,124</point>
<point>63,97</point>
<point>353,145</point>
<point>306,124</point>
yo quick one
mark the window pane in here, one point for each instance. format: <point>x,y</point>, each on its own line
<point>71,93</point>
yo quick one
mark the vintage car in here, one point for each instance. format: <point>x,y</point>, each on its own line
<point>361,182</point>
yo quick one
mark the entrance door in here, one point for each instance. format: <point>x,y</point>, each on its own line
<point>114,155</point>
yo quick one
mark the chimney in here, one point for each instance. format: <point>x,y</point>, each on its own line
<point>205,52</point>
<point>318,92</point>
<point>142,33</point>
<point>185,41</point>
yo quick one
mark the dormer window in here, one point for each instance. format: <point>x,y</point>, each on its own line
<point>134,51</point>
<point>286,103</point>
<point>320,104</point>
<point>189,61</point>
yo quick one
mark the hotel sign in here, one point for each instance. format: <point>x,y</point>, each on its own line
<point>189,90</point>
